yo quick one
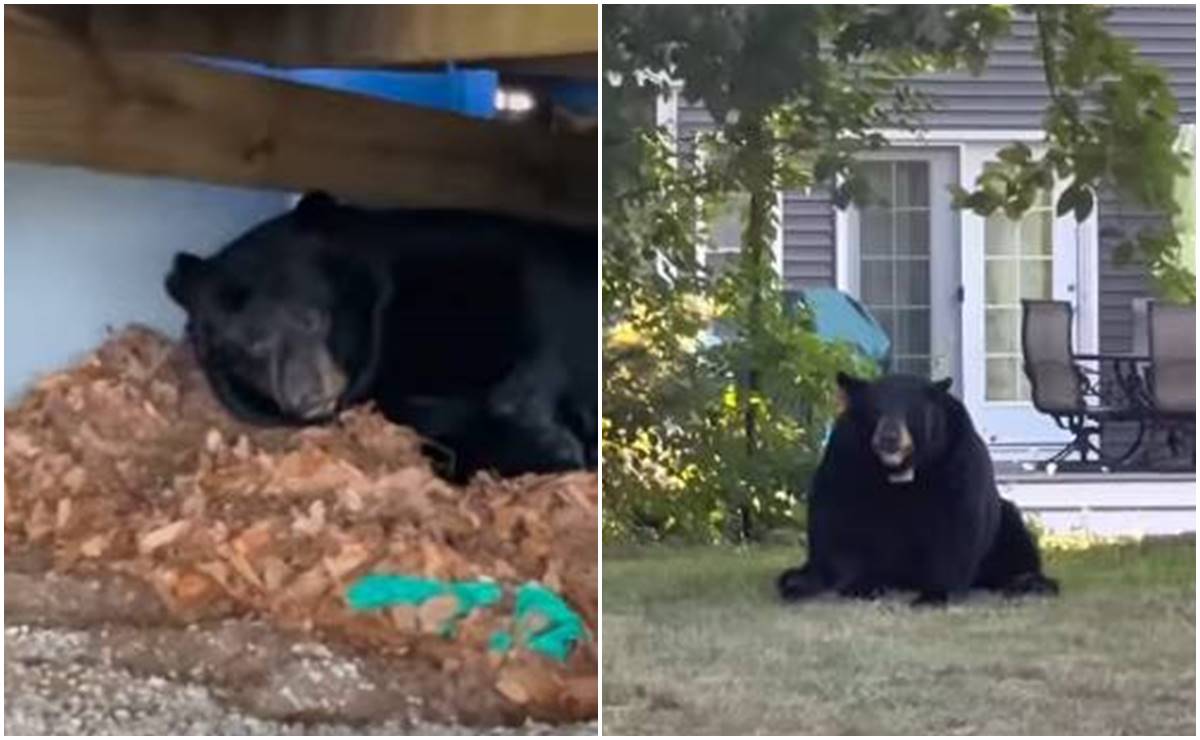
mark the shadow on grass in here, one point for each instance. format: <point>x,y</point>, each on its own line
<point>636,574</point>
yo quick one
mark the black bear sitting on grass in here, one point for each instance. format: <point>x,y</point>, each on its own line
<point>905,498</point>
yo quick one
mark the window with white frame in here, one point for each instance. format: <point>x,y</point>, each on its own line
<point>894,254</point>
<point>1018,264</point>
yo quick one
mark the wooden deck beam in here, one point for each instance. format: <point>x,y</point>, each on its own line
<point>555,39</point>
<point>69,102</point>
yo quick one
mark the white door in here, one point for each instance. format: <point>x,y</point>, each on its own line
<point>1005,261</point>
<point>902,258</point>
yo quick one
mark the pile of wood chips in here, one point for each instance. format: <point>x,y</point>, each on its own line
<point>126,463</point>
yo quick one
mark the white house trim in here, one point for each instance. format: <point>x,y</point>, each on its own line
<point>841,249</point>
<point>666,112</point>
<point>958,136</point>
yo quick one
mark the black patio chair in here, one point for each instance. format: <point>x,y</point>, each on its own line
<point>1171,376</point>
<point>1069,391</point>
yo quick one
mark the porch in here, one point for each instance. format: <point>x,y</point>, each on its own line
<point>1114,503</point>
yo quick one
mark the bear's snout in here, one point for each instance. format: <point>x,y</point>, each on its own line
<point>892,442</point>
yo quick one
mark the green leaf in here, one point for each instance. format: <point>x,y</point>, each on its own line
<point>1084,202</point>
<point>1068,201</point>
<point>1016,153</point>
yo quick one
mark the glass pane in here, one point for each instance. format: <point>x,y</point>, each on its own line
<point>879,179</point>
<point>876,231</point>
<point>912,332</point>
<point>912,282</point>
<point>1023,386</point>
<point>1036,237</point>
<point>999,235</point>
<point>877,282</point>
<point>912,232</point>
<point>1001,330</point>
<point>1001,277</point>
<point>912,365</point>
<point>887,322</point>
<point>1035,278</point>
<point>1002,379</point>
<point>912,184</point>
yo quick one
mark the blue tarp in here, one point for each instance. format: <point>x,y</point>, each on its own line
<point>836,317</point>
<point>469,92</point>
<point>839,317</point>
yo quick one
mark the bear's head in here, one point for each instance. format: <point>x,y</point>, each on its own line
<point>904,420</point>
<point>282,324</point>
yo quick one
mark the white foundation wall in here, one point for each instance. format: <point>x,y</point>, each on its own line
<point>84,251</point>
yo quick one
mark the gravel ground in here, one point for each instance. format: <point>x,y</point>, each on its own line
<point>61,682</point>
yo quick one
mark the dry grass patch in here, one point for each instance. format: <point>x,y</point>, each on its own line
<point>696,643</point>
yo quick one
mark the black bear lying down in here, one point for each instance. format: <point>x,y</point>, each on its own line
<point>477,330</point>
<point>905,498</point>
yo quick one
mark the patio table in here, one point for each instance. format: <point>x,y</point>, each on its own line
<point>1132,404</point>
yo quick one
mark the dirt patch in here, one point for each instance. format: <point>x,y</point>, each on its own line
<point>125,474</point>
<point>60,681</point>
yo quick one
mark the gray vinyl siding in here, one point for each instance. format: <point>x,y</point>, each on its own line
<point>1011,92</point>
<point>808,255</point>
<point>1119,285</point>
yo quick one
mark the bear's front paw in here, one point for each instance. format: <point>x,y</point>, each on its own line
<point>795,584</point>
<point>934,599</point>
<point>1031,584</point>
<point>866,591</point>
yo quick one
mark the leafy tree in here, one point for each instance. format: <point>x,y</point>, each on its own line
<point>795,92</point>
<point>1110,125</point>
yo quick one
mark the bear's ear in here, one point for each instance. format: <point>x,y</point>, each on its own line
<point>188,273</point>
<point>943,385</point>
<point>315,207</point>
<point>850,384</point>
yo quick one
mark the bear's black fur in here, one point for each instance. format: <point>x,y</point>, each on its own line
<point>905,498</point>
<point>478,330</point>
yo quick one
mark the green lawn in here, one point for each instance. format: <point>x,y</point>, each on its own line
<point>696,643</point>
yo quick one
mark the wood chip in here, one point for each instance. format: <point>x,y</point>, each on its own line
<point>436,613</point>
<point>40,523</point>
<point>74,479</point>
<point>350,557</point>
<point>94,547</point>
<point>512,688</point>
<point>126,463</point>
<point>254,539</point>
<point>62,514</point>
<point>275,573</point>
<point>162,536</point>
<point>213,442</point>
<point>243,568</point>
<point>404,618</point>
<point>308,585</point>
<point>193,589</point>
